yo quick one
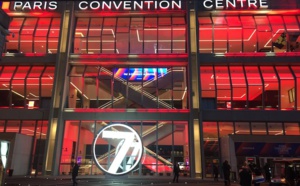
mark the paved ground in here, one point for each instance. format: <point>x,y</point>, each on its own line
<point>93,181</point>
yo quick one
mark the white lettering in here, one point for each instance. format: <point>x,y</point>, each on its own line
<point>95,7</point>
<point>161,5</point>
<point>127,5</point>
<point>136,4</point>
<point>81,7</point>
<point>263,4</point>
<point>219,4</point>
<point>178,5</point>
<point>117,6</point>
<point>242,3</point>
<point>26,6</point>
<point>37,5</point>
<point>205,4</point>
<point>17,5</point>
<point>105,5</point>
<point>232,4</point>
<point>149,4</point>
<point>252,4</point>
<point>53,5</point>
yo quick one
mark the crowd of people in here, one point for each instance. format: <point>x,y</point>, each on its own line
<point>252,174</point>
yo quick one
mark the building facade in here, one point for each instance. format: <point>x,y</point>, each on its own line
<point>199,81</point>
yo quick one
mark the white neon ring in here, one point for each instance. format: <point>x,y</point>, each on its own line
<point>139,144</point>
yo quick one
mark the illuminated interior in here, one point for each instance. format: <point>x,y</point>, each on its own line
<point>258,33</point>
<point>147,63</point>
<point>250,87</point>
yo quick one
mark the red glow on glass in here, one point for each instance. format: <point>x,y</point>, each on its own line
<point>129,110</point>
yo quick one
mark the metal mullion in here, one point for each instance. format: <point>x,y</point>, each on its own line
<point>144,20</point>
<point>78,141</point>
<point>33,34</point>
<point>172,29</point>
<point>187,34</point>
<point>115,36</point>
<point>227,34</point>
<point>231,87</point>
<point>127,89</point>
<point>20,126</point>
<point>285,31</point>
<point>82,86</point>
<point>101,36</point>
<point>129,34</point>
<point>272,46</point>
<point>19,39</point>
<point>172,85</point>
<point>157,98</point>
<point>87,36</point>
<point>48,33</point>
<point>215,82</point>
<point>10,87</point>
<point>5,126</point>
<point>247,87</point>
<point>25,87</point>
<point>142,90</point>
<point>242,40</point>
<point>40,85</point>
<point>97,86</point>
<point>213,35</point>
<point>33,147</point>
<point>263,88</point>
<point>296,89</point>
<point>256,34</point>
<point>279,88</point>
<point>112,79</point>
<point>157,26</point>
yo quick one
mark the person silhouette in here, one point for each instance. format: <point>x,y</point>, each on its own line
<point>75,173</point>
<point>176,171</point>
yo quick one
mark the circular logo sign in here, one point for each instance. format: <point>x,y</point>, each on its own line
<point>123,152</point>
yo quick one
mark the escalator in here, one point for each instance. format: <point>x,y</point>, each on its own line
<point>140,95</point>
<point>150,159</point>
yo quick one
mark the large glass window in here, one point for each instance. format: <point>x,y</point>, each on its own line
<point>130,35</point>
<point>258,33</point>
<point>26,86</point>
<point>128,87</point>
<point>33,35</point>
<point>250,87</point>
<point>165,142</point>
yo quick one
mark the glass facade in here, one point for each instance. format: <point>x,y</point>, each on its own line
<point>185,81</point>
<point>250,87</point>
<point>257,33</point>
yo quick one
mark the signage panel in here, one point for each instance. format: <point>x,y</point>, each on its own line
<point>125,150</point>
<point>115,6</point>
<point>129,5</point>
<point>267,149</point>
<point>208,5</point>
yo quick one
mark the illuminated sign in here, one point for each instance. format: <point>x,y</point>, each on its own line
<point>4,146</point>
<point>130,5</point>
<point>34,5</point>
<point>140,74</point>
<point>235,4</point>
<point>96,5</point>
<point>127,151</point>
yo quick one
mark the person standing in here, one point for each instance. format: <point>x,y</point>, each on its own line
<point>176,171</point>
<point>245,177</point>
<point>267,170</point>
<point>216,172</point>
<point>226,172</point>
<point>75,173</point>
